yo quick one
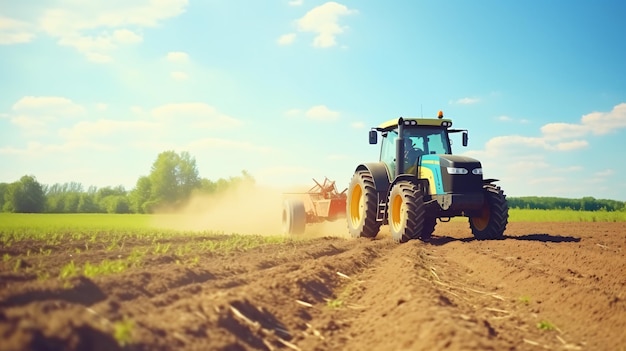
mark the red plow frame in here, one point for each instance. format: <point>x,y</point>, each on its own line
<point>322,202</point>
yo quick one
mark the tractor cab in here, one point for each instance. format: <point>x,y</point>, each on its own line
<point>418,142</point>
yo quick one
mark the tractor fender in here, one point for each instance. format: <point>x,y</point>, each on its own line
<point>423,184</point>
<point>381,178</point>
<point>379,172</point>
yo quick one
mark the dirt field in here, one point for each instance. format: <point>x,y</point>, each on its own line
<point>556,286</point>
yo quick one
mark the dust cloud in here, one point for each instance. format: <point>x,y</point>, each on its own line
<point>247,209</point>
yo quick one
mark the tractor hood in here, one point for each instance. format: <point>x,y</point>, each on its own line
<point>451,174</point>
<point>458,161</point>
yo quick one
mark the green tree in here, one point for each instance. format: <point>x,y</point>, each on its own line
<point>104,196</point>
<point>3,190</point>
<point>172,179</point>
<point>87,204</point>
<point>25,196</point>
<point>140,195</point>
<point>117,204</point>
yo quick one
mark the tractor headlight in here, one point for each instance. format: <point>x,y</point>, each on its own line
<point>456,170</point>
<point>477,171</point>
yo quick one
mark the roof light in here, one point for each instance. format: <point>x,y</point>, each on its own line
<point>440,114</point>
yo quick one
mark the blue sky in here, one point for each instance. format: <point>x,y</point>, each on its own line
<point>92,91</point>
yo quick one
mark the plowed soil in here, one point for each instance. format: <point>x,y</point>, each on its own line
<point>556,286</point>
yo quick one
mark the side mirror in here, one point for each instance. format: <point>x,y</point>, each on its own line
<point>465,138</point>
<point>373,137</point>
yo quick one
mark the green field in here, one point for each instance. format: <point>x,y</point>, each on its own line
<point>99,223</point>
<point>523,215</point>
<point>55,229</point>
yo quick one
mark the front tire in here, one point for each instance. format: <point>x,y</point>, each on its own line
<point>429,228</point>
<point>494,215</point>
<point>294,217</point>
<point>406,212</point>
<point>362,205</point>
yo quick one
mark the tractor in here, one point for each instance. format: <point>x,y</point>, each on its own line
<point>419,181</point>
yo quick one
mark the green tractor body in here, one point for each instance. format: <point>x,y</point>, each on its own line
<point>418,181</point>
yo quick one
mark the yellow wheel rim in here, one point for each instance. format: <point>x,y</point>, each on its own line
<point>396,212</point>
<point>356,205</point>
<point>482,222</point>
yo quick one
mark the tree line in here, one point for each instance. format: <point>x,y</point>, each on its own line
<point>587,203</point>
<point>172,180</point>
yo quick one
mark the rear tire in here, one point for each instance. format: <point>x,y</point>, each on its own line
<point>294,217</point>
<point>492,221</point>
<point>406,212</point>
<point>362,205</point>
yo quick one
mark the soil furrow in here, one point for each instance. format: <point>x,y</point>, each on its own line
<point>556,286</point>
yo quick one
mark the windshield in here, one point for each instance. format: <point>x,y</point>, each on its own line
<point>429,140</point>
<point>423,140</point>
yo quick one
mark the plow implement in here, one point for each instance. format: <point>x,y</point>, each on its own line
<point>322,202</point>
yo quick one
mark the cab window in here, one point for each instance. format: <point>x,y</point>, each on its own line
<point>388,150</point>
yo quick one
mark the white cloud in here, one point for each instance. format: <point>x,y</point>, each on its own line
<point>76,16</point>
<point>316,113</point>
<point>178,75</point>
<point>199,114</point>
<point>604,123</point>
<point>294,112</point>
<point>14,32</point>
<point>466,101</point>
<point>323,20</point>
<point>556,131</point>
<point>321,113</point>
<point>177,57</point>
<point>519,145</point>
<point>286,39</point>
<point>229,144</point>
<point>36,149</point>
<point>99,27</point>
<point>296,2</point>
<point>104,127</point>
<point>572,145</point>
<point>30,123</point>
<point>504,118</point>
<point>542,161</point>
<point>515,144</point>
<point>597,123</point>
<point>96,48</point>
<point>569,169</point>
<point>47,105</point>
<point>125,36</point>
<point>35,114</point>
<point>605,173</point>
